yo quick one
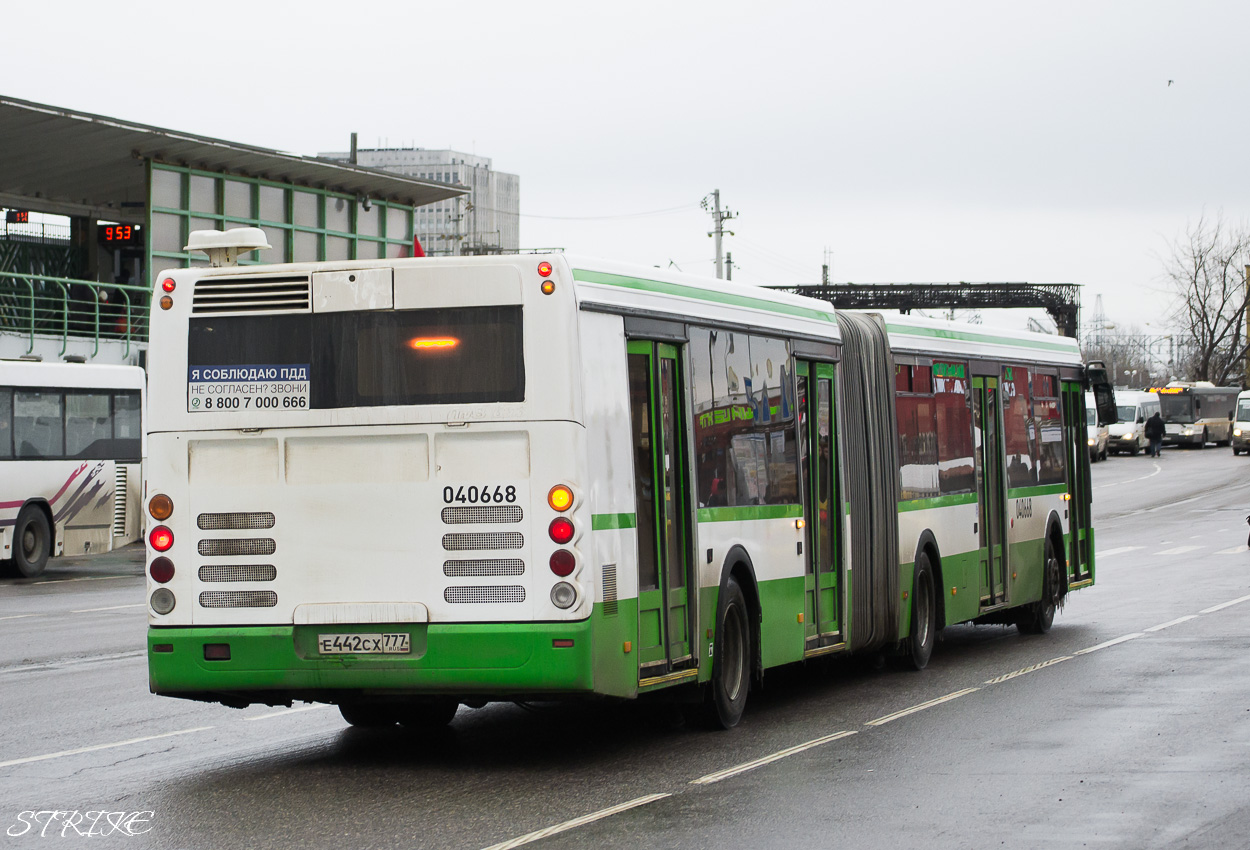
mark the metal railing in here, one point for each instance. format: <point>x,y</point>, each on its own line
<point>33,304</point>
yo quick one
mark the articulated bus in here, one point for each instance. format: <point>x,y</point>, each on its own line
<point>1195,414</point>
<point>401,486</point>
<point>70,452</point>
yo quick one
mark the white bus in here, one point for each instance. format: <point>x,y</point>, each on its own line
<point>401,486</point>
<point>70,452</point>
<point>1197,413</point>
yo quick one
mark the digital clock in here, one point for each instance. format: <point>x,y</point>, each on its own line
<point>17,216</point>
<point>121,234</point>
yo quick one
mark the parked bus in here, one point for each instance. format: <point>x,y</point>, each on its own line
<point>1241,424</point>
<point>404,485</point>
<point>70,451</point>
<point>1197,413</point>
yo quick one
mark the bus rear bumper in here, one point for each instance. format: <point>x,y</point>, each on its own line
<point>278,664</point>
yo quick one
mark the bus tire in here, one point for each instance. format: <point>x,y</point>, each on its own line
<point>1203,444</point>
<point>32,542</point>
<point>370,715</point>
<point>428,715</point>
<point>923,614</point>
<point>1037,618</point>
<point>731,659</point>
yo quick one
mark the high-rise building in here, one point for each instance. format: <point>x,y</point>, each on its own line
<point>486,221</point>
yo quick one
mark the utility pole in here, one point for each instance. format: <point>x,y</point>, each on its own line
<point>719,217</point>
<point>824,269</point>
<point>1246,378</point>
<point>729,265</point>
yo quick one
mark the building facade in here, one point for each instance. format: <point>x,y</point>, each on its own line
<point>486,221</point>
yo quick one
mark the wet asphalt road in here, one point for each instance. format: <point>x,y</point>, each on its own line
<point>1127,726</point>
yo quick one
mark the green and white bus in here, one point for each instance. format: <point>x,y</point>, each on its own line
<point>401,486</point>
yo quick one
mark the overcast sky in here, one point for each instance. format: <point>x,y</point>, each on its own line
<point>917,141</point>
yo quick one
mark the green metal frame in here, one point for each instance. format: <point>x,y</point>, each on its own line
<point>33,304</point>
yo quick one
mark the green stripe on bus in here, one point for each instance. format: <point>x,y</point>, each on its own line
<point>938,502</point>
<point>603,522</point>
<point>701,294</point>
<point>1043,490</point>
<point>939,333</point>
<point>745,512</point>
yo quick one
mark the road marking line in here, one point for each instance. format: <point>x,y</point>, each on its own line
<point>1221,607</point>
<point>1171,623</point>
<point>92,749</point>
<point>881,721</point>
<point>80,578</point>
<point>1236,550</point>
<point>71,662</point>
<point>18,616</point>
<point>1158,469</point>
<point>1034,668</point>
<point>1179,550</point>
<point>760,762</point>
<point>284,712</point>
<point>1121,550</point>
<point>576,822</point>
<point>1120,639</point>
<point>109,608</point>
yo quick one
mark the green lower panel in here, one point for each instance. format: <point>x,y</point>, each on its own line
<point>479,659</point>
<point>961,586</point>
<point>782,636</point>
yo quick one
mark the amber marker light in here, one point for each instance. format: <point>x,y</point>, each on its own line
<point>427,343</point>
<point>548,287</point>
<point>161,506</point>
<point>166,302</point>
<point>560,498</point>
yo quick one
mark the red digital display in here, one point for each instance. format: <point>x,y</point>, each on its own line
<point>121,234</point>
<point>17,216</point>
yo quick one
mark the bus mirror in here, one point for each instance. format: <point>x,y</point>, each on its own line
<point>1104,396</point>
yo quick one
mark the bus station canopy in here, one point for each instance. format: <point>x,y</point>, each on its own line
<point>58,160</point>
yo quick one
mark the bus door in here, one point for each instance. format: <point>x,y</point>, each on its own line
<point>664,533</point>
<point>1080,524</point>
<point>991,497</point>
<point>822,608</point>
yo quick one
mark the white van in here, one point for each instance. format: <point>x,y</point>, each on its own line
<point>1241,424</point>
<point>1129,434</point>
<point>1096,435</point>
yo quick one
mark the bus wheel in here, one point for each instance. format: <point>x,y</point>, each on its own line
<point>32,542</point>
<point>731,660</point>
<point>1036,619</point>
<point>428,715</point>
<point>370,715</point>
<point>1203,444</point>
<point>923,614</point>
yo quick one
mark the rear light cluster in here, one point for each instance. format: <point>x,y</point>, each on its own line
<point>548,285</point>
<point>161,539</point>
<point>562,531</point>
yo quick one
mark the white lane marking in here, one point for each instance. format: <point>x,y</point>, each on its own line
<point>1171,623</point>
<point>284,712</point>
<point>1120,639</point>
<point>71,662</point>
<point>1158,469</point>
<point>1221,607</point>
<point>1179,550</point>
<point>1013,674</point>
<point>881,721</point>
<point>80,578</point>
<point>1236,550</point>
<point>92,749</point>
<point>576,822</point>
<point>760,762</point>
<point>1119,551</point>
<point>109,608</point>
<point>18,616</point>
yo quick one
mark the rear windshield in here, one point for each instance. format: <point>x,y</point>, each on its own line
<point>368,359</point>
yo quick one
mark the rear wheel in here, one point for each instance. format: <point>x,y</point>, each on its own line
<point>428,715</point>
<point>923,614</point>
<point>1037,618</point>
<point>731,660</point>
<point>32,542</point>
<point>370,715</point>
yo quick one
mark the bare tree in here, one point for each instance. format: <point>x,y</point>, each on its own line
<point>1206,270</point>
<point>1128,358</point>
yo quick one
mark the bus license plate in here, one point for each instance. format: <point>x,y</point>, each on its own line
<point>390,644</point>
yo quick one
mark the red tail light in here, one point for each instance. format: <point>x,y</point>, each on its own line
<point>561,530</point>
<point>161,538</point>
<point>162,570</point>
<point>562,562</point>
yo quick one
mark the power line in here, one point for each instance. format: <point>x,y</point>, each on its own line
<point>594,217</point>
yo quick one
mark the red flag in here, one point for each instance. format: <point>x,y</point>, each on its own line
<point>417,250</point>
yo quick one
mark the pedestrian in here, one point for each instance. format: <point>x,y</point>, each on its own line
<point>1154,433</point>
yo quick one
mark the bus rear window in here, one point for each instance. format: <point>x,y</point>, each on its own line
<point>455,355</point>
